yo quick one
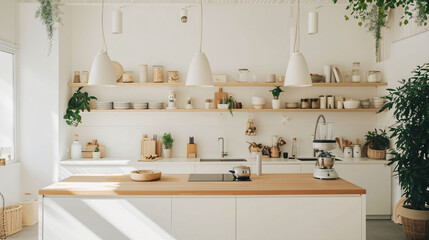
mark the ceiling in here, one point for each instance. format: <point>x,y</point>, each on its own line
<point>194,2</point>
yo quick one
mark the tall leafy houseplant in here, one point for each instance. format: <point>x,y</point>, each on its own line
<point>49,12</point>
<point>410,104</point>
<point>167,140</point>
<point>373,14</point>
<point>78,103</point>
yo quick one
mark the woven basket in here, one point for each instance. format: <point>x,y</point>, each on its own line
<point>376,154</point>
<point>415,223</point>
<point>13,217</point>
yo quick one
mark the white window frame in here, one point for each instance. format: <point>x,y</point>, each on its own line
<point>13,49</point>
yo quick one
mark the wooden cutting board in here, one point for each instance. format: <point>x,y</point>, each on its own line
<point>219,96</point>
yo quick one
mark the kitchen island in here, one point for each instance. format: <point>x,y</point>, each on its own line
<point>271,206</point>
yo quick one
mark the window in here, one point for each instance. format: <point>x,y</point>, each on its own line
<point>7,101</point>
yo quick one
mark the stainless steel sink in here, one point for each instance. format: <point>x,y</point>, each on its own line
<point>314,159</point>
<point>223,160</point>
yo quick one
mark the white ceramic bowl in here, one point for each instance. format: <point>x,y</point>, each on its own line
<point>292,105</point>
<point>222,106</point>
<point>258,100</point>
<point>351,104</point>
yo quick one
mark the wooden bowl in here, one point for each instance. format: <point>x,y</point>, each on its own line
<point>145,175</point>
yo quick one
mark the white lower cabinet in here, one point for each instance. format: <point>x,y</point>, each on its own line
<point>299,218</point>
<point>147,218</point>
<point>176,168</point>
<point>208,218</point>
<point>284,168</point>
<point>217,168</point>
<point>139,166</point>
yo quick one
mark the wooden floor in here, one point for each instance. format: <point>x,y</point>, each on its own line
<point>376,230</point>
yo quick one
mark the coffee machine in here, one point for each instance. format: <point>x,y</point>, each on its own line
<point>324,142</point>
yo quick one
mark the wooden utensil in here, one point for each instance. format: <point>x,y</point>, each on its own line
<point>338,142</point>
<point>219,96</point>
<point>357,141</point>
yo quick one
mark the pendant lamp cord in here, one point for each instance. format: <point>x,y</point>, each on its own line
<point>296,40</point>
<point>103,43</point>
<point>201,30</point>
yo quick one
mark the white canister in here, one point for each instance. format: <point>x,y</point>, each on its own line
<point>327,72</point>
<point>348,152</point>
<point>258,164</point>
<point>322,102</point>
<point>339,104</point>
<point>330,102</point>
<point>357,151</point>
<point>270,78</point>
<point>143,73</point>
<point>76,150</point>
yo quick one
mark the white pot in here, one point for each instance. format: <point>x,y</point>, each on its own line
<point>167,153</point>
<point>276,104</point>
<point>96,155</point>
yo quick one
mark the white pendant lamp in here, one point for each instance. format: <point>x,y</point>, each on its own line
<point>297,73</point>
<point>200,73</point>
<point>102,70</point>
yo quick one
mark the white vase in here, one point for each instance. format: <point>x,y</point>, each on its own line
<point>96,155</point>
<point>167,153</point>
<point>276,104</point>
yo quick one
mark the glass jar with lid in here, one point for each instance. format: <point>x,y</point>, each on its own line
<point>305,103</point>
<point>356,72</point>
<point>158,73</point>
<point>372,76</point>
<point>243,75</point>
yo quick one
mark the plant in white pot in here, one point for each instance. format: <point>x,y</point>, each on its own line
<point>410,102</point>
<point>167,140</point>
<point>96,154</point>
<point>276,93</point>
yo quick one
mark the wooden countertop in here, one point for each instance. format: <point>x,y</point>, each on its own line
<point>267,184</point>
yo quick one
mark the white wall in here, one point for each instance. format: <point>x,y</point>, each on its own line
<point>8,20</point>
<point>254,37</point>
<point>405,56</point>
<point>39,102</point>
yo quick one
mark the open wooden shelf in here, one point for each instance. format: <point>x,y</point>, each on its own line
<point>232,84</point>
<point>373,110</point>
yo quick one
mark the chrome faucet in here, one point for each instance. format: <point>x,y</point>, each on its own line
<point>315,131</point>
<point>223,153</point>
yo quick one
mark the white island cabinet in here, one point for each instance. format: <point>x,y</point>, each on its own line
<point>271,206</point>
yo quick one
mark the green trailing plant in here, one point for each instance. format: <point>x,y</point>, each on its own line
<point>78,103</point>
<point>49,12</point>
<point>231,104</point>
<point>376,140</point>
<point>410,104</point>
<point>373,14</point>
<point>167,140</point>
<point>276,92</point>
<point>97,149</point>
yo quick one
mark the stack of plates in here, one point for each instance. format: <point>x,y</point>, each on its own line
<point>121,105</point>
<point>377,102</point>
<point>140,105</point>
<point>156,105</point>
<point>104,105</point>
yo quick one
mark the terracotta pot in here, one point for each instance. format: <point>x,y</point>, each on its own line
<point>376,154</point>
<point>415,223</point>
<point>167,153</point>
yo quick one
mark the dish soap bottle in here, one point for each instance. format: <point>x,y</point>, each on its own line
<point>294,148</point>
<point>76,148</point>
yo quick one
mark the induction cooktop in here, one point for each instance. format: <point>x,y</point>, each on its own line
<point>195,177</point>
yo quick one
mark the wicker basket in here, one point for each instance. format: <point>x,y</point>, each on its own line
<point>13,217</point>
<point>376,154</point>
<point>415,223</point>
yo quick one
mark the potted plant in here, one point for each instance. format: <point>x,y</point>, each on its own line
<point>96,154</point>
<point>411,110</point>
<point>377,143</point>
<point>231,104</point>
<point>276,93</point>
<point>49,12</point>
<point>167,140</point>
<point>79,102</point>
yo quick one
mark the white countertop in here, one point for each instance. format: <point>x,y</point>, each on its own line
<point>273,161</point>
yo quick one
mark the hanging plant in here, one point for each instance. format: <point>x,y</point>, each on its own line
<point>78,103</point>
<point>49,12</point>
<point>373,14</point>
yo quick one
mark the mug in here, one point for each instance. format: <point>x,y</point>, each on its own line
<point>270,78</point>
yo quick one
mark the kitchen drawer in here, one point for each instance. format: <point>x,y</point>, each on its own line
<point>139,166</point>
<point>281,168</point>
<point>67,171</point>
<point>176,168</point>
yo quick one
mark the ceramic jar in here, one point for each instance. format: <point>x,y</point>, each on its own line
<point>348,152</point>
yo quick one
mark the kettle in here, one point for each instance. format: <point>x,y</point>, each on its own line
<point>241,172</point>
